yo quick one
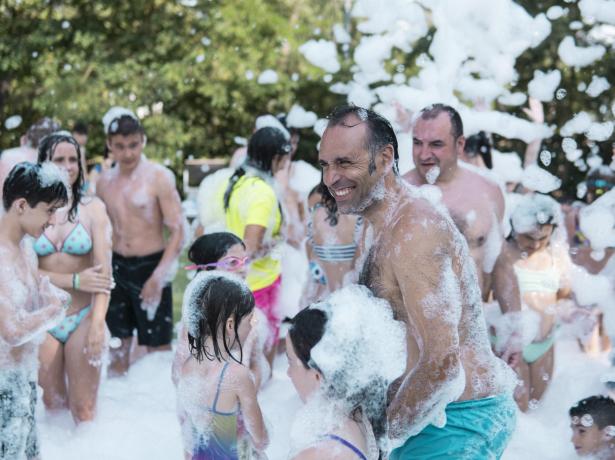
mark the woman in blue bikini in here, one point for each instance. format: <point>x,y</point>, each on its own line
<point>76,255</point>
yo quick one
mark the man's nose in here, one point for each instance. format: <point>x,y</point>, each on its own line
<point>330,176</point>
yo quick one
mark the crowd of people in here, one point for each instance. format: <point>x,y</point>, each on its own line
<point>432,304</point>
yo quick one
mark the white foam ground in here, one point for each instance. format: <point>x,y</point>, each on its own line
<point>136,414</point>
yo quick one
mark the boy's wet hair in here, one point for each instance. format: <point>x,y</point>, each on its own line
<point>380,133</point>
<point>220,298</point>
<point>24,181</point>
<point>47,148</point>
<point>600,408</point>
<point>125,125</point>
<point>210,248</point>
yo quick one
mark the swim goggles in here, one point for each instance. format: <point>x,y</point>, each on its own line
<point>230,263</point>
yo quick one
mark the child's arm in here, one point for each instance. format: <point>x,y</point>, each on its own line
<point>253,417</point>
<point>18,326</point>
<point>182,353</point>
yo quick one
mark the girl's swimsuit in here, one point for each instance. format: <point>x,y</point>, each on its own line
<point>330,252</point>
<point>538,281</point>
<point>344,442</point>
<point>77,243</point>
<point>221,440</point>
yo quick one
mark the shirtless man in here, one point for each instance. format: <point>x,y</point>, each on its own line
<point>27,151</point>
<point>29,305</point>
<point>418,261</point>
<point>475,203</point>
<point>141,200</point>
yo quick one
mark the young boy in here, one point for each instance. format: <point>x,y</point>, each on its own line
<point>142,202</point>
<point>593,427</point>
<point>28,305</point>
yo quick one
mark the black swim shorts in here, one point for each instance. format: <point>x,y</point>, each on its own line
<point>18,436</point>
<point>125,313</point>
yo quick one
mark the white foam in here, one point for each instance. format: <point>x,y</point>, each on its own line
<point>321,53</point>
<point>268,77</point>
<point>114,113</point>
<point>578,56</point>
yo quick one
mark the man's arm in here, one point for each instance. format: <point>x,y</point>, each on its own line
<point>432,301</point>
<point>172,218</point>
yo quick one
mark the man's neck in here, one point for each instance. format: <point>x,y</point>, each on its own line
<point>379,212</point>
<point>128,171</point>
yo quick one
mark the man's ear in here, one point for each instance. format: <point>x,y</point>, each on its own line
<point>387,155</point>
<point>461,144</point>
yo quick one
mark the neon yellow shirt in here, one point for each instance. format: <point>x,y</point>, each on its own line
<point>254,202</point>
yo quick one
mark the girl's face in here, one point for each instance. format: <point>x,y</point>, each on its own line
<point>536,240</point>
<point>232,260</point>
<point>65,156</point>
<point>305,381</point>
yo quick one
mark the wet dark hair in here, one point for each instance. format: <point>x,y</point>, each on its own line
<point>219,298</point>
<point>380,133</point>
<point>39,130</point>
<point>47,148</point>
<point>24,181</point>
<point>264,145</point>
<point>210,248</point>
<point>601,408</point>
<point>479,144</point>
<point>80,127</point>
<point>432,111</point>
<point>306,330</point>
<point>327,200</point>
<point>125,126</point>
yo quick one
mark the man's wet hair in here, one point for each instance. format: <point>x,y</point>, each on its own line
<point>264,145</point>
<point>210,248</point>
<point>432,111</point>
<point>47,148</point>
<point>600,408</point>
<point>479,144</point>
<point>380,133</point>
<point>39,130</point>
<point>125,126</point>
<point>25,181</point>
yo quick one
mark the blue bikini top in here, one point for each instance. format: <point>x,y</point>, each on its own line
<point>78,242</point>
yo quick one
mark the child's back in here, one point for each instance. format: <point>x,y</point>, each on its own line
<point>207,398</point>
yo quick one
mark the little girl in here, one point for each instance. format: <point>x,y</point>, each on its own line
<point>213,386</point>
<point>226,252</point>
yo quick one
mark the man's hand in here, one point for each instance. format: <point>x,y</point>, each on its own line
<point>151,295</point>
<point>535,111</point>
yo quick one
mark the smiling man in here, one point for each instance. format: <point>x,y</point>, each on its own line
<point>475,203</point>
<point>142,201</point>
<point>417,260</point>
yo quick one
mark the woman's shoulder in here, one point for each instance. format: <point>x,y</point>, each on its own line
<point>92,204</point>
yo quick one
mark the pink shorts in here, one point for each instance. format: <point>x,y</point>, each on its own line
<point>266,300</point>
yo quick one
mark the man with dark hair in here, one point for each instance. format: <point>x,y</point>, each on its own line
<point>475,203</point>
<point>142,201</point>
<point>27,151</point>
<point>593,427</point>
<point>415,258</point>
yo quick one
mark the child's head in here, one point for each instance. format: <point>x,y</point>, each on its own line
<point>125,136</point>
<point>218,251</point>
<point>217,306</point>
<point>34,192</point>
<point>593,426</point>
<point>308,327</point>
<point>533,221</point>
